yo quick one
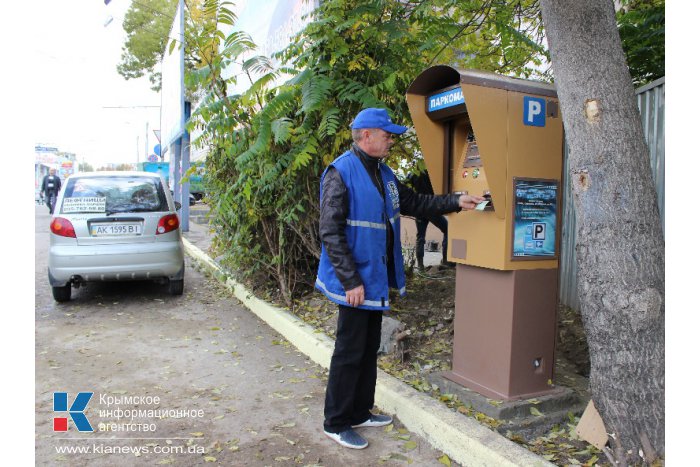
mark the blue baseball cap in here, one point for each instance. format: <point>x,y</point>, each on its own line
<point>376,118</point>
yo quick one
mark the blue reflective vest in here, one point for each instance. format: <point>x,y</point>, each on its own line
<point>366,235</point>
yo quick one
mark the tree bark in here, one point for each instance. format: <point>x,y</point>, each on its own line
<point>620,244</point>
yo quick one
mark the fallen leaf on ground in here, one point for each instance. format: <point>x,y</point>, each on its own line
<point>287,425</point>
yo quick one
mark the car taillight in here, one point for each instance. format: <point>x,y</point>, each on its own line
<point>62,227</point>
<point>167,224</point>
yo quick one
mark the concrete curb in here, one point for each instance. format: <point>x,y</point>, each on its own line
<point>461,438</point>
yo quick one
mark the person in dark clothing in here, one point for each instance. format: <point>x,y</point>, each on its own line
<point>50,186</point>
<point>361,204</point>
<point>421,184</point>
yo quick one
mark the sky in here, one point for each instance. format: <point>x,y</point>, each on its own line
<point>87,108</point>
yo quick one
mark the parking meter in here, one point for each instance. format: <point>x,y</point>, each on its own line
<point>502,138</point>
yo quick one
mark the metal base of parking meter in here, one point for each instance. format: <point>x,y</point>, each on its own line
<point>504,331</point>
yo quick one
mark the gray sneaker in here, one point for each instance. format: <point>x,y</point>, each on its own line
<point>375,420</point>
<point>348,438</point>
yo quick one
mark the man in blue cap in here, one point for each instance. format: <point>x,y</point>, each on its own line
<point>361,204</point>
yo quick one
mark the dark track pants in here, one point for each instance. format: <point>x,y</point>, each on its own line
<point>422,226</point>
<point>353,372</point>
<point>51,201</point>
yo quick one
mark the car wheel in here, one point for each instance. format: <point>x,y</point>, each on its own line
<point>61,294</point>
<point>176,287</point>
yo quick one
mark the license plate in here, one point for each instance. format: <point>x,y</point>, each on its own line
<point>115,229</point>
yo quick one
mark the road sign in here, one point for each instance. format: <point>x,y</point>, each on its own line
<point>533,111</point>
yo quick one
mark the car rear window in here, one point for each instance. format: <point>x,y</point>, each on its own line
<point>113,194</point>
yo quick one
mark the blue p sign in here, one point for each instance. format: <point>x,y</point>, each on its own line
<point>533,111</point>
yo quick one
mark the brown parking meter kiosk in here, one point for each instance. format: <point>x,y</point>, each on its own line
<point>500,137</point>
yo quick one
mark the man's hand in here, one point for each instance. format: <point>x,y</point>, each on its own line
<point>355,297</point>
<point>468,202</point>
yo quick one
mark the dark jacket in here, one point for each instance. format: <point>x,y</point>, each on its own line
<point>334,211</point>
<point>420,183</point>
<point>55,179</point>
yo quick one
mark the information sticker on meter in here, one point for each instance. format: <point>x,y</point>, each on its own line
<point>535,218</point>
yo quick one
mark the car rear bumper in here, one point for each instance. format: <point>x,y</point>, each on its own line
<point>116,262</point>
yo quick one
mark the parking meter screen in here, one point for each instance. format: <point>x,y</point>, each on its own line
<point>535,218</point>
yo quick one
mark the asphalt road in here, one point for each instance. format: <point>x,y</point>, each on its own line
<point>187,380</point>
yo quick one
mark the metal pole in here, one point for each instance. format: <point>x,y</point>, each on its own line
<point>175,149</point>
<point>185,139</point>
<point>185,218</point>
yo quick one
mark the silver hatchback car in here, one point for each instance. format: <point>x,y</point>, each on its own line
<point>114,226</point>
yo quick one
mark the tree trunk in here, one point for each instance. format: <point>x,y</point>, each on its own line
<point>620,244</point>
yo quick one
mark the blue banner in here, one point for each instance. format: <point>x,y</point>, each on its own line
<point>445,99</point>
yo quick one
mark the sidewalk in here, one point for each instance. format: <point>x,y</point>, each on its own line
<point>463,439</point>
